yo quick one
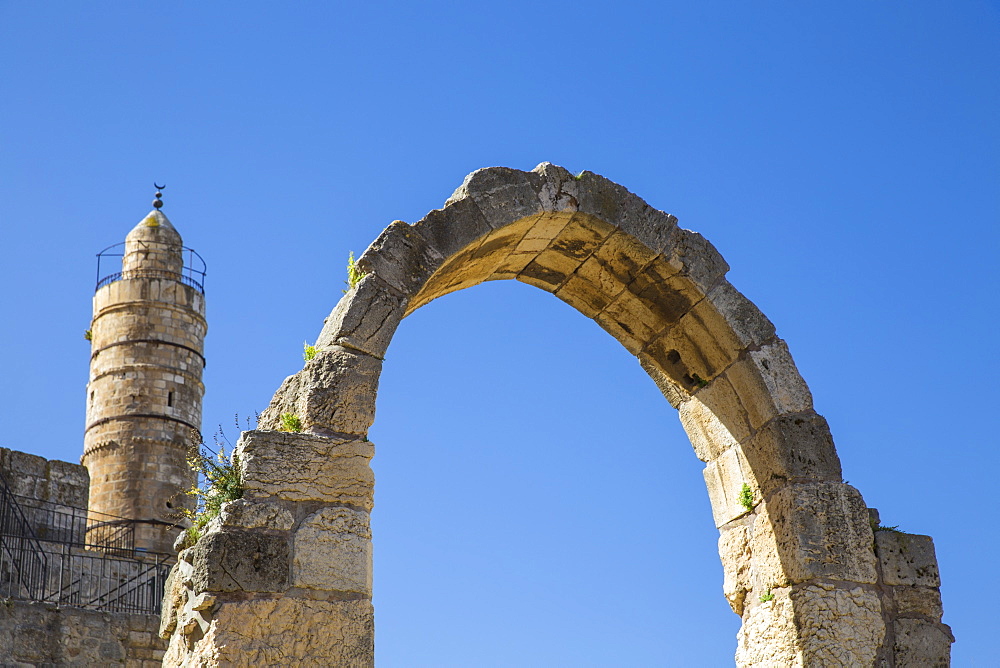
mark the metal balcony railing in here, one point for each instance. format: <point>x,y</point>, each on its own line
<point>192,274</point>
<point>56,554</point>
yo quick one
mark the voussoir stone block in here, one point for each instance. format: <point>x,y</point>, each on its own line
<point>795,447</point>
<point>401,257</point>
<point>734,550</point>
<point>454,227</point>
<point>303,467</point>
<point>503,195</point>
<point>742,317</point>
<point>333,394</point>
<point>613,203</point>
<point>694,256</point>
<point>365,318</point>
<point>724,478</point>
<point>558,189</point>
<point>715,419</point>
<point>333,551</point>
<point>812,530</point>
<point>229,561</point>
<point>907,559</point>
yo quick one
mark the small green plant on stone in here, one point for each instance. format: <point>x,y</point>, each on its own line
<point>354,273</point>
<point>766,596</point>
<point>89,335</point>
<point>219,481</point>
<point>746,497</point>
<point>698,380</point>
<point>308,352</point>
<point>291,422</point>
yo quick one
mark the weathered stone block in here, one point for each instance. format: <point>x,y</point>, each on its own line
<point>282,632</point>
<point>557,191</point>
<point>692,255</point>
<point>921,644</point>
<point>333,552</point>
<point>814,530</point>
<point>246,514</point>
<point>333,394</point>
<point>614,204</point>
<point>724,478</point>
<point>714,419</point>
<point>401,257</point>
<point>734,550</point>
<point>812,625</point>
<point>787,389</point>
<point>907,559</point>
<point>793,447</point>
<point>742,317</point>
<point>912,601</point>
<point>365,318</point>
<point>239,561</point>
<point>454,227</point>
<point>672,392</point>
<point>630,320</point>
<point>703,341</point>
<point>503,195</point>
<point>302,467</point>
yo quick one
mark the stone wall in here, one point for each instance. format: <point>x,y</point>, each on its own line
<point>40,634</point>
<point>46,480</point>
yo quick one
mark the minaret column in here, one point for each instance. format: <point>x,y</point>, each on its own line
<point>145,391</point>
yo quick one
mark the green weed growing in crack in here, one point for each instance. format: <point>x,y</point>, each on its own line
<point>219,481</point>
<point>291,422</point>
<point>354,273</point>
<point>746,497</point>
<point>308,352</point>
<point>766,596</point>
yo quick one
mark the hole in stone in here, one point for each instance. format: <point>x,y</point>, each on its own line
<point>170,399</point>
<point>673,357</point>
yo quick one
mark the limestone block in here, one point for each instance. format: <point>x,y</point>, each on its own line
<point>365,318</point>
<point>246,514</point>
<point>672,392</point>
<point>725,477</point>
<point>921,644</point>
<point>813,530</point>
<point>302,467</point>
<point>793,447</point>
<point>175,595</point>
<point>631,322</point>
<point>239,561</point>
<point>912,601</point>
<point>692,255</point>
<point>401,258</point>
<point>557,191</point>
<point>454,227</point>
<point>333,394</point>
<point>734,550</point>
<point>714,419</point>
<point>333,551</point>
<point>787,389</point>
<point>614,204</point>
<point>282,632</point>
<point>907,559</point>
<point>703,341</point>
<point>744,319</point>
<point>503,195</point>
<point>813,625</point>
<point>768,384</point>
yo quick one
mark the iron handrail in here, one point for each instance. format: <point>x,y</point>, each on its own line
<point>192,272</point>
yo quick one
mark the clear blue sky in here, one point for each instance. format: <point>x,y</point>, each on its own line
<point>537,503</point>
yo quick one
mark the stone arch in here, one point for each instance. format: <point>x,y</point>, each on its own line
<point>795,541</point>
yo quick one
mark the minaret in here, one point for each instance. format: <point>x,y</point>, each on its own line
<point>145,390</point>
